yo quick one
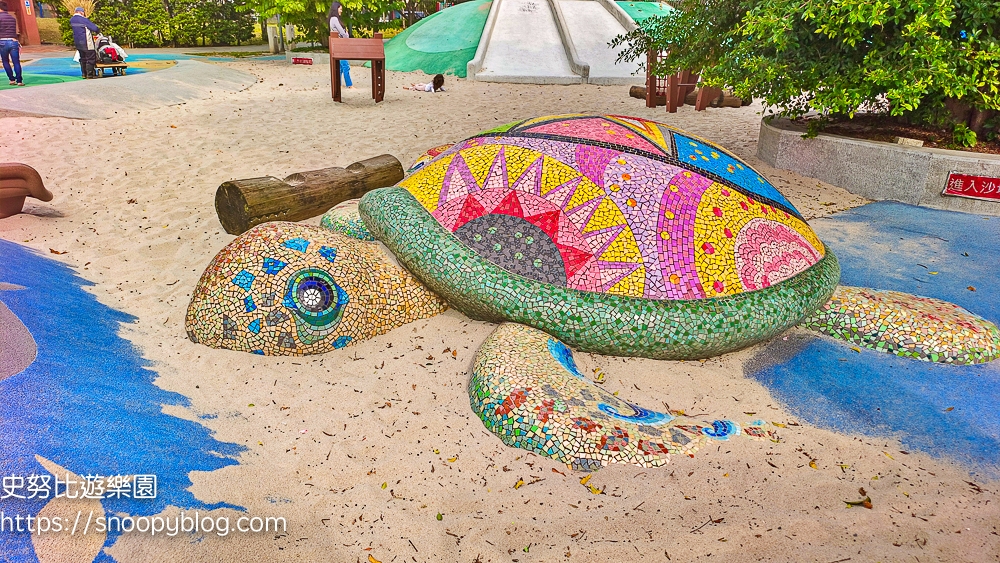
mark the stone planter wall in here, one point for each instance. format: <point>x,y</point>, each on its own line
<point>876,170</point>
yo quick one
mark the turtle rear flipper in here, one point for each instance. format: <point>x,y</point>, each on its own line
<point>907,325</point>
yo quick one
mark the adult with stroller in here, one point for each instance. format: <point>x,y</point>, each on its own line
<point>10,48</point>
<point>83,39</point>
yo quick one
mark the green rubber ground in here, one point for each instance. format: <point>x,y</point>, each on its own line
<point>639,11</point>
<point>442,43</point>
<point>37,80</point>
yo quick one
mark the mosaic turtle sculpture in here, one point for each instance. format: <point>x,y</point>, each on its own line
<point>607,234</point>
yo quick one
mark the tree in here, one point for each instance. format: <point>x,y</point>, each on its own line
<point>362,17</point>
<point>928,61</point>
<point>179,22</point>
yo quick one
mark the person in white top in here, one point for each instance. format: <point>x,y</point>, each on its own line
<point>436,85</point>
<point>336,10</point>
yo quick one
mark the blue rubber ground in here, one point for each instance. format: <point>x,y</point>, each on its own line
<point>888,245</point>
<point>88,402</point>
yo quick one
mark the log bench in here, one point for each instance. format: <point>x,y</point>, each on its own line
<point>242,204</point>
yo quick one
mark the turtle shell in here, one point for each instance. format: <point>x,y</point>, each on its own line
<point>609,206</point>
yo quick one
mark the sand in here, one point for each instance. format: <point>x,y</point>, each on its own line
<point>133,213</point>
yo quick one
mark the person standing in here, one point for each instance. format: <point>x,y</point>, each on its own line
<point>336,9</point>
<point>10,48</point>
<point>83,40</point>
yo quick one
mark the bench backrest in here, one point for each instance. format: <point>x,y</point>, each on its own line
<point>356,49</point>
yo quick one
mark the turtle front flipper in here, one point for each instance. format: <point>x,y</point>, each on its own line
<point>345,219</point>
<point>287,289</point>
<point>907,325</point>
<point>527,390</point>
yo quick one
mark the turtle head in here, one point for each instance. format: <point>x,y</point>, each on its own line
<point>290,289</point>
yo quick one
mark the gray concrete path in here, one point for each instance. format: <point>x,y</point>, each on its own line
<point>104,98</point>
<point>591,28</point>
<point>525,46</point>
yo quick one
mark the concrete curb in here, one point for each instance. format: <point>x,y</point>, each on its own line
<point>476,64</point>
<point>876,170</point>
<point>575,64</point>
<point>106,97</point>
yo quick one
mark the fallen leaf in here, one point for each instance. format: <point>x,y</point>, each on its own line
<point>812,463</point>
<point>886,454</point>
<point>866,502</point>
<point>519,483</point>
<point>384,485</point>
<point>372,559</point>
<point>862,492</point>
<point>970,288</point>
<point>437,451</point>
<point>779,425</point>
<point>250,405</point>
<point>933,273</point>
<point>439,517</point>
<point>949,409</point>
<point>585,479</point>
<point>452,459</point>
<point>554,470</point>
<point>594,490</point>
<point>173,127</point>
<point>856,349</point>
<point>54,251</point>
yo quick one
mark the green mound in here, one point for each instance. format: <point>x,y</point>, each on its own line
<point>639,11</point>
<point>442,43</point>
<point>32,79</point>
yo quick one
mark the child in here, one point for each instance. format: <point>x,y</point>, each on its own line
<point>436,85</point>
<point>336,9</point>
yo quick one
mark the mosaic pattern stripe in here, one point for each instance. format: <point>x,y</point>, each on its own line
<point>921,328</point>
<point>588,321</point>
<point>527,390</point>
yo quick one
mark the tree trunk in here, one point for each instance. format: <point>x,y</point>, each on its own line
<point>978,119</point>
<point>242,204</point>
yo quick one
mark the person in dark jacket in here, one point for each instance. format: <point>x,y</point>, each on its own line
<point>10,49</point>
<point>83,39</point>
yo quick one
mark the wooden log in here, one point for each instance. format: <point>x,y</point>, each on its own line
<point>243,204</point>
<point>640,93</point>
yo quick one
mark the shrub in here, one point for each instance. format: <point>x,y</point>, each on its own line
<point>929,61</point>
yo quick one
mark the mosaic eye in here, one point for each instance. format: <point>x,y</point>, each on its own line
<point>314,294</point>
<point>315,299</point>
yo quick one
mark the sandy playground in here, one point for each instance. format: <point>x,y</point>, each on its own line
<point>372,452</point>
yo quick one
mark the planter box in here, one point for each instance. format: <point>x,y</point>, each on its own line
<point>877,170</point>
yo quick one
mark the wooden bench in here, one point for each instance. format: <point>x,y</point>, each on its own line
<point>672,90</point>
<point>348,49</point>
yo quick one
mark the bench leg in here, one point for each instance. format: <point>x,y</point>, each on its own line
<point>381,81</point>
<point>673,91</point>
<point>335,79</point>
